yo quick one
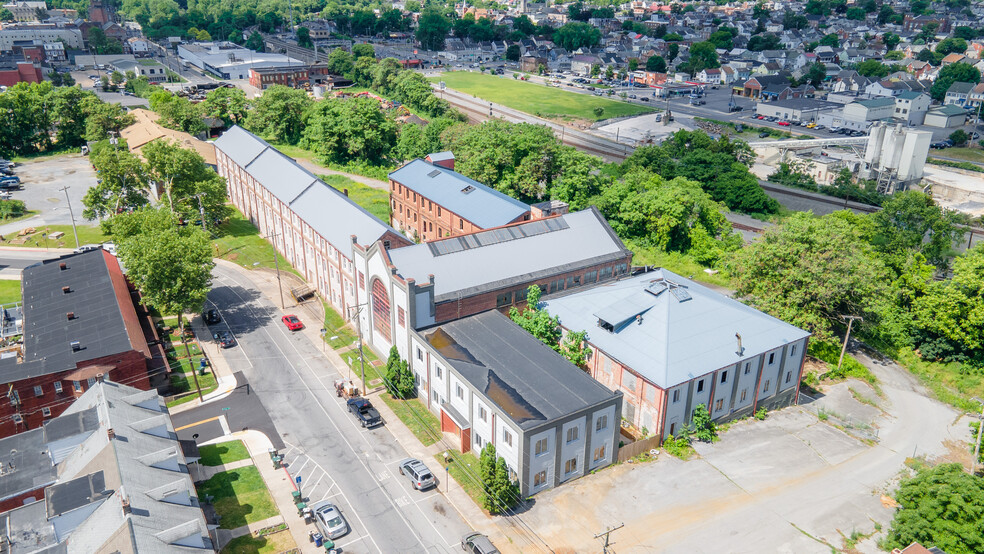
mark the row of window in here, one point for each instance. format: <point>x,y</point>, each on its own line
<point>573,434</point>
<point>39,389</point>
<point>570,467</point>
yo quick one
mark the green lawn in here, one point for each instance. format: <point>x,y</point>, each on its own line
<point>87,235</point>
<point>335,326</point>
<point>537,99</point>
<point>953,383</point>
<point>351,358</point>
<point>239,496</point>
<point>465,470</point>
<point>223,453</point>
<point>424,424</point>
<point>185,382</point>
<point>239,241</point>
<point>10,291</point>
<point>375,201</point>
<point>966,154</point>
<point>268,544</point>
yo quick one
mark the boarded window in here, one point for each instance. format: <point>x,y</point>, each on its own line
<point>381,309</point>
<point>401,316</point>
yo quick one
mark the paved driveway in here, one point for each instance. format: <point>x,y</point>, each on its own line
<point>43,180</point>
<point>790,483</point>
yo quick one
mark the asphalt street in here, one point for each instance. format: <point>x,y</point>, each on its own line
<point>241,410</point>
<point>336,458</point>
<point>13,260</point>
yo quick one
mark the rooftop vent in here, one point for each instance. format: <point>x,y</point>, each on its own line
<point>66,290</point>
<point>63,266</point>
<point>70,315</point>
<point>467,189</point>
<point>434,173</point>
<point>76,346</point>
<point>111,433</point>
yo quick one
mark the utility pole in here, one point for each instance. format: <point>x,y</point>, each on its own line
<point>977,448</point>
<point>606,534</point>
<point>71,213</point>
<point>276,264</point>
<point>850,322</point>
<point>358,329</point>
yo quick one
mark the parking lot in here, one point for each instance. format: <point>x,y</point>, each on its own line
<point>42,181</point>
<point>791,483</point>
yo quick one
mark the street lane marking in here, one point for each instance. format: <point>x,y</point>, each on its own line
<point>190,425</point>
<point>225,425</point>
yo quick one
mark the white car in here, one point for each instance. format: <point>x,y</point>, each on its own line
<point>329,519</point>
<point>109,247</point>
<point>87,248</point>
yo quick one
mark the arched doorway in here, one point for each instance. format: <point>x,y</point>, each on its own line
<point>381,310</point>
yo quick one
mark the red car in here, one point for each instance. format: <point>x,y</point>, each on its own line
<point>292,322</point>
<point>784,123</point>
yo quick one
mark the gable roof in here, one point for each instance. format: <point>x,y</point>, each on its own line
<point>473,201</point>
<point>685,330</point>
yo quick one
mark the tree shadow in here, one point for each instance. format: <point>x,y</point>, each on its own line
<point>239,309</point>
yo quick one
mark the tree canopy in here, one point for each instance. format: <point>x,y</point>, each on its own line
<point>353,129</point>
<point>575,35</point>
<point>949,74</point>
<point>279,114</point>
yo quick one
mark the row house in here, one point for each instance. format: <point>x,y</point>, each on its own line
<point>313,225</point>
<point>669,344</point>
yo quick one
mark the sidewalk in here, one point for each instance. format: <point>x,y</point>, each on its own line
<point>224,375</point>
<point>474,516</point>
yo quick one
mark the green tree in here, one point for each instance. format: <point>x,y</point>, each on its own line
<point>792,20</point>
<point>399,378</point>
<point>702,56</point>
<point>873,68</point>
<point>103,120</point>
<point>432,29</point>
<point>959,137</point>
<point>340,62</point>
<point>575,35</point>
<point>816,74</point>
<point>894,55</point>
<point>27,118</point>
<point>169,264</point>
<point>350,129</point>
<point>177,113</point>
<point>121,185</point>
<point>188,184</point>
<point>512,53</point>
<point>810,271</point>
<point>672,51</point>
<point>941,506</point>
<point>304,37</point>
<point>71,109</point>
<point>227,104</point>
<point>537,322</point>
<point>953,73</point>
<point>279,114</point>
<point>891,40</point>
<point>363,50</point>
<point>117,78</point>
<point>911,220</point>
<point>656,64</point>
<point>101,44</point>
<point>966,33</point>
<point>767,41</point>
<point>503,489</point>
<point>255,42</point>
<point>927,55</point>
<point>5,14</point>
<point>704,428</point>
<point>831,40</point>
<point>573,348</point>
<point>856,13</point>
<point>722,39</point>
<point>949,318</point>
<point>951,45</point>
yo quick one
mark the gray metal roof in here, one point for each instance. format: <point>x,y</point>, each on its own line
<point>332,214</point>
<point>686,330</point>
<point>25,463</point>
<point>580,239</point>
<point>473,201</point>
<point>525,378</point>
<point>98,325</point>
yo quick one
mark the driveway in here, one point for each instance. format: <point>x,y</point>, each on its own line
<point>43,180</point>
<point>790,483</point>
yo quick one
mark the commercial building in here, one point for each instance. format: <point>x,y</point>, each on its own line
<point>11,34</point>
<point>669,344</point>
<point>81,320</point>
<point>430,201</point>
<point>491,382</point>
<point>145,130</point>
<point>419,286</point>
<point>860,114</point>
<point>313,225</point>
<point>25,10</point>
<point>795,109</point>
<point>287,75</point>
<point>946,117</point>
<point>155,72</point>
<point>230,61</point>
<point>19,72</point>
<point>106,476</point>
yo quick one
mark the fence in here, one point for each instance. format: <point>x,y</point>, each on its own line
<point>632,450</point>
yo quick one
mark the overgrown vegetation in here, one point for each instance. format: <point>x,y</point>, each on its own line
<point>547,330</point>
<point>500,492</point>
<point>794,174</point>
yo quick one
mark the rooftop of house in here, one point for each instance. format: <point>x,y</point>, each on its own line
<point>910,94</point>
<point>960,87</point>
<point>327,210</point>
<point>525,378</point>
<point>123,476</point>
<point>145,129</point>
<point>92,288</point>
<point>667,328</point>
<point>473,201</point>
<point>876,102</point>
<point>497,258</point>
<point>948,110</point>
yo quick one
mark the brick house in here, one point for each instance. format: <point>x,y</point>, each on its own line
<point>310,223</point>
<point>81,321</point>
<point>288,76</point>
<point>430,201</point>
<point>670,344</point>
<point>426,284</point>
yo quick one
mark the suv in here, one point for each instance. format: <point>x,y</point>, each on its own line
<point>420,476</point>
<point>477,543</point>
<point>211,317</point>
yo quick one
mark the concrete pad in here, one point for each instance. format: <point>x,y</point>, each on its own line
<point>830,443</point>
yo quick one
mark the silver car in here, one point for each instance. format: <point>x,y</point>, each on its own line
<point>329,519</point>
<point>420,476</point>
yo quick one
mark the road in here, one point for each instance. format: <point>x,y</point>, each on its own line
<point>239,411</point>
<point>353,466</point>
<point>13,260</point>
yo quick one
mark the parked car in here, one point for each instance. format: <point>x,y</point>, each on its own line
<point>420,476</point>
<point>811,125</point>
<point>364,412</point>
<point>763,134</point>
<point>697,102</point>
<point>292,322</point>
<point>6,195</point>
<point>10,180</point>
<point>644,98</point>
<point>477,543</point>
<point>784,123</point>
<point>224,339</point>
<point>735,109</point>
<point>211,317</point>
<point>87,248</point>
<point>329,519</point>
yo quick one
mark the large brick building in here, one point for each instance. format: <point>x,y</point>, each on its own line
<point>670,344</point>
<point>286,75</point>
<point>431,201</point>
<point>312,224</point>
<point>81,320</point>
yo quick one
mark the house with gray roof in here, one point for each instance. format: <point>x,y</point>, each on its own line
<point>430,201</point>
<point>121,481</point>
<point>491,382</point>
<point>312,224</point>
<point>670,344</point>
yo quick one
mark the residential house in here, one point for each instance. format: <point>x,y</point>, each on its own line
<point>958,93</point>
<point>428,192</point>
<point>953,58</point>
<point>911,106</point>
<point>491,382</point>
<point>155,72</point>
<point>774,87</point>
<point>531,64</point>
<point>81,320</point>
<point>976,96</point>
<point>138,46</point>
<point>849,81</point>
<point>708,76</point>
<point>54,53</point>
<point>670,344</point>
<point>582,64</point>
<point>887,87</point>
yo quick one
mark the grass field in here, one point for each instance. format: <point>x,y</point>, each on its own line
<point>424,424</point>
<point>537,99</point>
<point>676,262</point>
<point>375,201</point>
<point>268,544</point>
<point>87,235</point>
<point>223,453</point>
<point>239,241</point>
<point>10,291</point>
<point>966,154</point>
<point>239,496</point>
<point>335,326</point>
<point>465,470</point>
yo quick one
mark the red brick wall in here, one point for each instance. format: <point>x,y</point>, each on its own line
<point>453,309</point>
<point>18,501</point>
<point>414,213</point>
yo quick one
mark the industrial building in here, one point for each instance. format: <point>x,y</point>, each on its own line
<point>894,156</point>
<point>230,61</point>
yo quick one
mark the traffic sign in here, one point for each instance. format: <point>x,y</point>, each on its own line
<point>298,479</point>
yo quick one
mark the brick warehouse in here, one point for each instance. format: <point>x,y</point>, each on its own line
<point>81,320</point>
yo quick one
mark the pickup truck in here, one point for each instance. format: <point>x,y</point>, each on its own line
<point>363,410</point>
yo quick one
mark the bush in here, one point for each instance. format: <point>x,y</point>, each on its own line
<point>761,414</point>
<point>678,446</point>
<point>11,208</point>
<point>705,430</point>
<point>830,352</point>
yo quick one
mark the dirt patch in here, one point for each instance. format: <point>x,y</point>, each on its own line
<point>957,452</point>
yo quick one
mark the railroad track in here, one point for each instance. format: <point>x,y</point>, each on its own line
<point>817,197</point>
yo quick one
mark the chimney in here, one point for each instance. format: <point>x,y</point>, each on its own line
<point>66,290</point>
<point>70,315</point>
<point>63,266</point>
<point>111,433</point>
<point>740,349</point>
<point>126,505</point>
<point>99,377</point>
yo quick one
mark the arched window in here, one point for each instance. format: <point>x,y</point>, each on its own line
<point>381,309</point>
